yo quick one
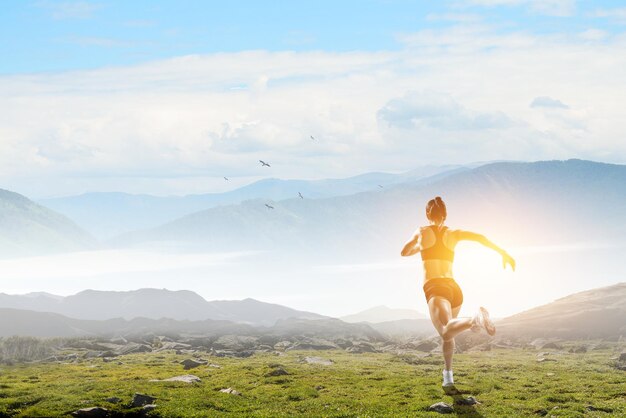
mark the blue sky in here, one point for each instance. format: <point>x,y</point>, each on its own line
<point>169,97</point>
<point>46,35</point>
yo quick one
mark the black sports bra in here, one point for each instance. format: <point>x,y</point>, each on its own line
<point>438,251</point>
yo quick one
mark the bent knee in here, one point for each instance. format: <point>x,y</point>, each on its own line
<point>446,335</point>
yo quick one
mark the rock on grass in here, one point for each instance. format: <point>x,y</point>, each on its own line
<point>96,412</point>
<point>318,360</point>
<point>467,401</point>
<point>230,391</point>
<point>441,407</point>
<point>139,399</point>
<point>191,363</point>
<point>186,378</point>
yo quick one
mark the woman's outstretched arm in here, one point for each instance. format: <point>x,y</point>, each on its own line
<point>481,239</point>
<point>411,247</point>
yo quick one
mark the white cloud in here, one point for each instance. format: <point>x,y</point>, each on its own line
<point>617,14</point>
<point>549,102</point>
<point>594,35</point>
<point>440,111</point>
<point>547,7</point>
<point>69,9</point>
<point>202,116</point>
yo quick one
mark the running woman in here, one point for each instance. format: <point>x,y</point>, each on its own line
<point>436,244</point>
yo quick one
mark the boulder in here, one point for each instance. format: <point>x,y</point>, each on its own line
<point>186,378</point>
<point>470,400</point>
<point>230,391</point>
<point>192,363</point>
<point>95,411</point>
<point>441,407</point>
<point>139,399</point>
<point>314,344</point>
<point>362,347</point>
<point>235,342</point>
<point>131,348</point>
<point>278,371</point>
<point>318,360</point>
<point>282,345</point>
<point>232,353</point>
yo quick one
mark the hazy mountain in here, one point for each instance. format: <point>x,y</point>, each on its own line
<point>535,203</point>
<point>596,313</point>
<point>46,324</point>
<point>381,313</point>
<point>109,214</point>
<point>154,304</point>
<point>27,228</point>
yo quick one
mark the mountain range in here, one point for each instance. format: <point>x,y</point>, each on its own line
<point>106,215</point>
<point>27,228</point>
<point>540,203</point>
<point>152,304</point>
<point>595,313</point>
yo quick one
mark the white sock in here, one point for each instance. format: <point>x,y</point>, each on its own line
<point>448,378</point>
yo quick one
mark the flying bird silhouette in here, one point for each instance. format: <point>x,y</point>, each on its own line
<point>312,137</point>
<point>269,206</point>
<point>300,194</point>
<point>264,164</point>
<point>226,178</point>
<point>380,186</point>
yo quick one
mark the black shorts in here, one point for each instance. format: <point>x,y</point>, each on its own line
<point>446,288</point>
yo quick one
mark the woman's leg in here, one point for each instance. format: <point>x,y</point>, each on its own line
<point>448,346</point>
<point>445,323</point>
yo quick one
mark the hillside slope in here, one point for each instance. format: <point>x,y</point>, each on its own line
<point>27,228</point>
<point>596,313</point>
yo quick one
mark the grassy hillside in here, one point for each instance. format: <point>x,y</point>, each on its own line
<point>507,383</point>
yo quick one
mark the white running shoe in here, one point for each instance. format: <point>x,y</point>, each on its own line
<point>448,379</point>
<point>482,321</point>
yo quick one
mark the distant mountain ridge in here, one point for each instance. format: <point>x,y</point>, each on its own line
<point>27,228</point>
<point>549,201</point>
<point>152,304</point>
<point>592,314</point>
<point>108,214</point>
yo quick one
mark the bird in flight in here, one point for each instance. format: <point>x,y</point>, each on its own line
<point>312,137</point>
<point>264,164</point>
<point>300,194</point>
<point>269,206</point>
<point>226,178</point>
<point>380,186</point>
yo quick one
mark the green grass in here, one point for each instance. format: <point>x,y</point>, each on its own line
<point>508,383</point>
